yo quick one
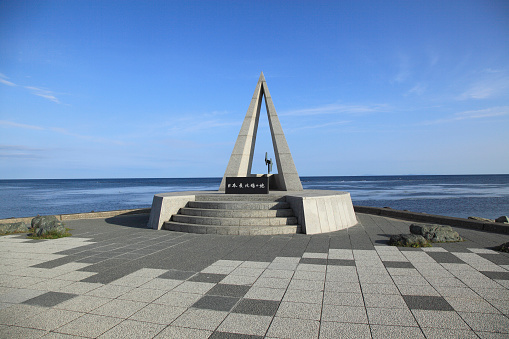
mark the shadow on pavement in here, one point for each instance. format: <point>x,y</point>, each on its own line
<point>130,220</point>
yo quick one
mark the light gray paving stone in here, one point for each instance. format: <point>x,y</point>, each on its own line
<point>219,269</point>
<point>342,287</point>
<point>403,271</point>
<point>245,324</point>
<point>183,332</point>
<point>379,288</point>
<point>395,332</point>
<point>486,322</point>
<point>299,310</point>
<point>194,287</point>
<point>55,335</point>
<point>52,285</point>
<point>228,263</point>
<point>282,266</point>
<point>410,280</point>
<point>334,330</point>
<point>238,280</point>
<point>310,285</point>
<point>280,274</point>
<point>343,254</point>
<point>162,284</point>
<point>460,292</point>
<point>345,299</point>
<point>119,308</point>
<point>159,314</point>
<point>255,264</point>
<point>247,271</point>
<point>309,275</point>
<point>19,295</point>
<point>440,319</point>
<point>82,303</point>
<point>130,280</point>
<point>384,300</point>
<point>311,297</point>
<point>425,290</point>
<point>491,335</point>
<point>10,315</point>
<point>441,333</point>
<point>394,317</point>
<point>293,328</point>
<point>315,255</point>
<point>49,320</point>
<point>377,279</point>
<point>501,305</point>
<point>311,267</point>
<point>344,314</point>
<point>200,319</point>
<point>142,294</point>
<point>133,329</point>
<point>265,293</point>
<point>148,272</point>
<point>20,332</point>
<point>272,282</point>
<point>492,293</point>
<point>471,305</point>
<point>290,260</point>
<point>109,291</point>
<point>89,325</point>
<point>79,287</point>
<point>178,299</point>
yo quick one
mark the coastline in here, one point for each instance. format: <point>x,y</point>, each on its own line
<point>493,227</point>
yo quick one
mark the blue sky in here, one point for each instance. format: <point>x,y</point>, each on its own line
<point>109,89</point>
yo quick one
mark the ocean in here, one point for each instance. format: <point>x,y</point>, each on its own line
<point>461,196</point>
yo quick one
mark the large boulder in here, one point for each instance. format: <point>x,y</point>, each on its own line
<point>408,240</point>
<point>13,227</point>
<point>435,233</point>
<point>45,224</point>
<point>503,219</point>
<point>481,219</point>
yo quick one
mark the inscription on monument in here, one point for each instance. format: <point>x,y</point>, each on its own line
<point>247,185</point>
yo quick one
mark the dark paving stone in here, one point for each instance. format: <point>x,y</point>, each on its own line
<point>410,249</point>
<point>314,261</point>
<point>216,303</point>
<point>104,265</point>
<point>445,258</point>
<point>57,262</point>
<point>340,262</point>
<point>177,275</point>
<point>50,299</point>
<point>427,303</point>
<point>257,307</point>
<point>92,259</point>
<point>496,275</point>
<point>227,290</point>
<point>398,264</point>
<point>497,259</point>
<point>208,277</point>
<point>228,335</point>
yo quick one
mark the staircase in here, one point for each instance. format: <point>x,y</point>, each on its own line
<point>235,214</point>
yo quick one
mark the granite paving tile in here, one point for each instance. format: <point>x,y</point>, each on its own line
<point>245,324</point>
<point>178,299</point>
<point>441,333</point>
<point>396,332</point>
<point>19,295</point>
<point>486,322</point>
<point>159,314</point>
<point>305,296</point>
<point>229,335</point>
<point>49,320</point>
<point>20,332</point>
<point>440,319</point>
<point>238,280</point>
<point>265,293</point>
<point>257,307</point>
<point>207,277</point>
<point>293,328</point>
<point>89,325</point>
<point>345,299</point>
<point>349,314</point>
<point>177,275</point>
<point>119,308</point>
<point>228,290</point>
<point>216,302</point>
<point>133,329</point>
<point>49,299</point>
<point>200,319</point>
<point>299,310</point>
<point>394,317</point>
<point>142,294</point>
<point>82,303</point>
<point>334,330</point>
<point>183,332</point>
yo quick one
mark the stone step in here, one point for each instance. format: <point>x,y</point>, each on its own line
<point>240,197</point>
<point>238,205</point>
<point>225,221</point>
<point>218,213</point>
<point>230,230</point>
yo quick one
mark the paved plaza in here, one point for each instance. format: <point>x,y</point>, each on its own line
<point>114,278</point>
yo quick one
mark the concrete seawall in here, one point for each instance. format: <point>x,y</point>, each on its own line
<point>435,219</point>
<point>386,212</point>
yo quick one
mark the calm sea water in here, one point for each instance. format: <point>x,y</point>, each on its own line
<point>452,195</point>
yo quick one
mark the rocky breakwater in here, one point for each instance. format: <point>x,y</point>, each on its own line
<point>422,235</point>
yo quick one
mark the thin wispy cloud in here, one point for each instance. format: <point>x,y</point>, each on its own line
<point>494,84</point>
<point>41,92</point>
<point>418,89</point>
<point>15,124</point>
<point>321,126</point>
<point>404,69</point>
<point>44,93</point>
<point>475,114</point>
<point>63,131</point>
<point>337,109</point>
<point>3,80</point>
<point>20,152</point>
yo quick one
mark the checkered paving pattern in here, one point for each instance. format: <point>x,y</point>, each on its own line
<point>59,287</point>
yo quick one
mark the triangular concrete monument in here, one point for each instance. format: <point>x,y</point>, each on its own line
<point>287,178</point>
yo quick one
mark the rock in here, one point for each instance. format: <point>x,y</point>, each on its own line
<point>435,233</point>
<point>408,240</point>
<point>45,224</point>
<point>14,227</point>
<point>503,247</point>
<point>481,219</point>
<point>503,219</point>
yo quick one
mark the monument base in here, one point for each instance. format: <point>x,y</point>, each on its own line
<point>314,212</point>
